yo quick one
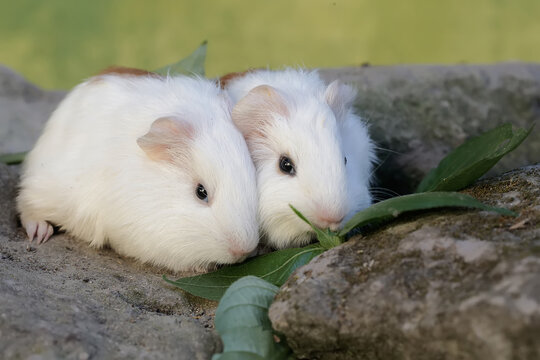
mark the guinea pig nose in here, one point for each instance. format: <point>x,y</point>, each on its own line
<point>237,249</point>
<point>332,222</point>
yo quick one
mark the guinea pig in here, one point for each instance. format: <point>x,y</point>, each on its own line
<point>309,148</point>
<point>151,166</point>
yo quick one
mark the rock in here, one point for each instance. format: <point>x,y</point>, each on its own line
<point>452,284</point>
<point>8,192</point>
<point>25,109</point>
<point>421,112</point>
<point>63,299</point>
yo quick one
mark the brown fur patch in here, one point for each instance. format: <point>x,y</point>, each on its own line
<point>225,79</point>
<point>121,70</point>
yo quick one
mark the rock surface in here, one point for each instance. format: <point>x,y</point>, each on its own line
<point>454,284</point>
<point>24,109</point>
<point>421,112</point>
<point>64,300</point>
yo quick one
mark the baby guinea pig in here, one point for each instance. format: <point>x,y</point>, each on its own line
<point>151,166</point>
<point>309,147</point>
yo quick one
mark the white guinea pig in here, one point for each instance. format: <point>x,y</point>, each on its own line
<point>153,167</point>
<point>309,147</point>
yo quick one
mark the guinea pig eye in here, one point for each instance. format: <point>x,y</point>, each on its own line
<point>201,193</point>
<point>345,160</point>
<point>286,166</point>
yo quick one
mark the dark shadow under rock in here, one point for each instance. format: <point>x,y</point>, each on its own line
<point>63,299</point>
<point>452,284</point>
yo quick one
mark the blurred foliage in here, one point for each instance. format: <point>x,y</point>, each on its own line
<point>57,43</point>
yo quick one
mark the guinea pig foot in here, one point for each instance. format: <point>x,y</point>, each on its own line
<point>39,230</point>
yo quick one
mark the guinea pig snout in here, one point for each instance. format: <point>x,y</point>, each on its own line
<point>238,249</point>
<point>324,220</point>
<point>326,217</point>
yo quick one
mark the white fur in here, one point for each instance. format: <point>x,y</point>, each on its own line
<point>88,175</point>
<point>317,137</point>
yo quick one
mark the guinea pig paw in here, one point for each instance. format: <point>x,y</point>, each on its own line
<point>39,230</point>
<point>44,232</point>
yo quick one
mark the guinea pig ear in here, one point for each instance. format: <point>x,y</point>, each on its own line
<point>340,98</point>
<point>257,109</point>
<point>167,139</point>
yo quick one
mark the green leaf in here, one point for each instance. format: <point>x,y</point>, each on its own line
<point>12,159</point>
<point>193,64</point>
<point>243,324</point>
<point>327,238</point>
<point>275,267</point>
<point>472,159</point>
<point>391,208</point>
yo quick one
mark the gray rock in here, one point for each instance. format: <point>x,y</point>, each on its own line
<point>451,284</point>
<point>24,110</point>
<point>63,299</point>
<point>8,192</point>
<point>421,112</point>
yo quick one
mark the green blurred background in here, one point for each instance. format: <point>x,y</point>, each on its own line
<point>57,43</point>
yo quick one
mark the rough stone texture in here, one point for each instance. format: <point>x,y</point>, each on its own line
<point>66,300</point>
<point>451,284</point>
<point>24,109</point>
<point>421,112</point>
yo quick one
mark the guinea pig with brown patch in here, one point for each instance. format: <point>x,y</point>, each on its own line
<point>310,149</point>
<point>151,166</point>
